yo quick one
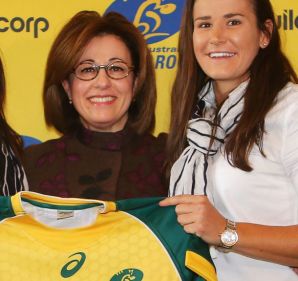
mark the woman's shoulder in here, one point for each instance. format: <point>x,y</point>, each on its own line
<point>289,92</point>
<point>285,109</point>
<point>286,99</point>
<point>44,147</point>
<point>155,142</point>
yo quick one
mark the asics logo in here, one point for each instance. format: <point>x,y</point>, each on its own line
<point>74,265</point>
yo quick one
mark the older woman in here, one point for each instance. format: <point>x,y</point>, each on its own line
<point>100,93</point>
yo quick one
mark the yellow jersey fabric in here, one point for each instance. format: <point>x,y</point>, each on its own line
<point>47,238</point>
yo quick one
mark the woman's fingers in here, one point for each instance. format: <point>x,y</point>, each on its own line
<point>181,199</point>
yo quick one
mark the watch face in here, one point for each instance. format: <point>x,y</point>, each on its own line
<point>229,238</point>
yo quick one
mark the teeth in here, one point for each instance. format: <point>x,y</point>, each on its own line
<point>221,54</point>
<point>101,99</point>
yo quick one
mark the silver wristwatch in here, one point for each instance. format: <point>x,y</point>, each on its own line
<point>229,237</point>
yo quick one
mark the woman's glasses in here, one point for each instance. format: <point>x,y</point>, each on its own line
<point>116,70</point>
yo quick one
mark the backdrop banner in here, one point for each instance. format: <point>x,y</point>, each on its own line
<point>28,28</point>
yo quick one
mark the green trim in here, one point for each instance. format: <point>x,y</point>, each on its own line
<point>163,223</point>
<point>61,207</point>
<point>137,203</point>
<point>6,210</point>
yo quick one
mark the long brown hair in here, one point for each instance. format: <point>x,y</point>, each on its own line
<point>65,53</point>
<point>7,134</point>
<point>270,71</point>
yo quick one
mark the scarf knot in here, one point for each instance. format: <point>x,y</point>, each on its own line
<point>205,136</point>
<point>199,134</point>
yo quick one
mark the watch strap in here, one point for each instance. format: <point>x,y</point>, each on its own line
<point>231,225</point>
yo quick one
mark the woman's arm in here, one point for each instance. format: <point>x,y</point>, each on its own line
<point>278,244</point>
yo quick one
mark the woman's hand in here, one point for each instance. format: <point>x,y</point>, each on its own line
<point>277,244</point>
<point>198,216</point>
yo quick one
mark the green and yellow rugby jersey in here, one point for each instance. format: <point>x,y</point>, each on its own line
<point>45,238</point>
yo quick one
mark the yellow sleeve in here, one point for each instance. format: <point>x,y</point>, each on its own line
<point>200,266</point>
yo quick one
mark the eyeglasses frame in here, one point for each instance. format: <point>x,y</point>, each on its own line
<point>105,67</point>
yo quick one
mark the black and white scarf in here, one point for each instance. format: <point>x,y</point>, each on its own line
<point>189,172</point>
<point>12,174</point>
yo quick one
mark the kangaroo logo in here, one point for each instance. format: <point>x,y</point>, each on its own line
<point>130,274</point>
<point>73,266</point>
<point>156,19</point>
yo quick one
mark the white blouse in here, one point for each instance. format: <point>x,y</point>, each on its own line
<point>267,195</point>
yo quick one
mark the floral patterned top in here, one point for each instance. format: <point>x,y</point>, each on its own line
<point>12,175</point>
<point>105,166</point>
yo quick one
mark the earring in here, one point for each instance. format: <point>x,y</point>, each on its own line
<point>264,45</point>
<point>70,101</point>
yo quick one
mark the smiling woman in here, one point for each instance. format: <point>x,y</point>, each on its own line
<point>225,44</point>
<point>234,103</point>
<point>103,100</point>
<point>100,93</point>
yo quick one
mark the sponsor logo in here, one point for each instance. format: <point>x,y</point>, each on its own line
<point>157,19</point>
<point>164,57</point>
<point>73,266</point>
<point>130,274</point>
<point>288,20</point>
<point>19,24</point>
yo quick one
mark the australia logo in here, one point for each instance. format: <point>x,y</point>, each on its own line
<point>156,19</point>
<point>130,274</point>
